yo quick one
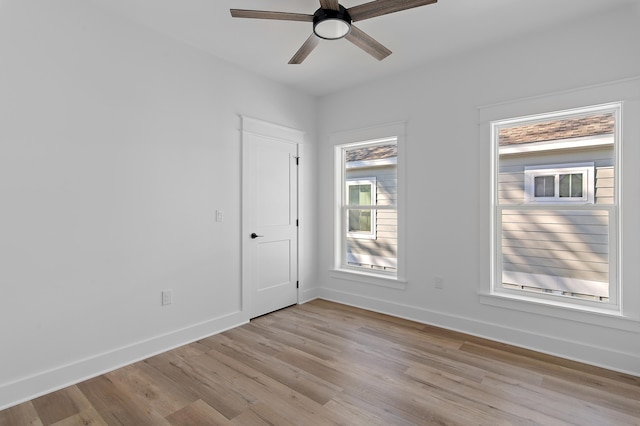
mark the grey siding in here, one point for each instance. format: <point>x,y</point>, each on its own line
<point>511,177</point>
<point>382,251</point>
<point>604,185</point>
<point>570,245</point>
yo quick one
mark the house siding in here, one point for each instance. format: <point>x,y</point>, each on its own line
<point>381,252</point>
<point>511,176</point>
<point>570,245</point>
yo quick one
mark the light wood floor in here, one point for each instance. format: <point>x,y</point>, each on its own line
<point>323,364</point>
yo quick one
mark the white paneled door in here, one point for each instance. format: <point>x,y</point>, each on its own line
<point>270,215</point>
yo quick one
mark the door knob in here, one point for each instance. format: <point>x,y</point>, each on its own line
<point>254,236</point>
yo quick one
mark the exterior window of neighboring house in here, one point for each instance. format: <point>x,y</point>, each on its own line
<point>361,223</point>
<point>556,207</point>
<point>560,183</point>
<point>368,220</point>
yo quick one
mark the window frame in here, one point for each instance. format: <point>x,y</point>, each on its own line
<point>363,137</point>
<point>587,169</point>
<point>613,306</point>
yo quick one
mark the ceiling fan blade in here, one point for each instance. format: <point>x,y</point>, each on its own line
<point>330,4</point>
<point>384,7</point>
<point>264,14</point>
<point>306,48</point>
<point>367,43</point>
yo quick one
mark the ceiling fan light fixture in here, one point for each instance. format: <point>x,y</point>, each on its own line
<point>331,24</point>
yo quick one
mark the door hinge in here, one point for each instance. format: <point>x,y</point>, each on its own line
<point>297,284</point>
<point>297,161</point>
<point>297,222</point>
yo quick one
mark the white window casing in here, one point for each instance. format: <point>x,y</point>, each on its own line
<point>389,271</point>
<point>622,206</point>
<point>535,271</point>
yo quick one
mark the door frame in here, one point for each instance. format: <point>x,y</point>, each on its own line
<point>266,129</point>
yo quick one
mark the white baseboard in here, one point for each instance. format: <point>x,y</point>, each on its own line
<point>66,375</point>
<point>577,351</point>
<point>307,295</point>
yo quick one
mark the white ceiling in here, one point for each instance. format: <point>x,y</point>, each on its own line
<point>415,36</point>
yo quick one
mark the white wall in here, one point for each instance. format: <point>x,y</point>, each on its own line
<point>117,145</point>
<point>446,218</point>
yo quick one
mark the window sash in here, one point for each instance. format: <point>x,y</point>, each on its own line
<point>359,207</point>
<point>351,203</point>
<point>612,244</point>
<point>573,189</point>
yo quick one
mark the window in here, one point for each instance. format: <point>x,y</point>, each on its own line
<point>368,206</point>
<point>361,223</point>
<point>369,198</point>
<point>368,225</point>
<point>555,210</point>
<point>561,183</point>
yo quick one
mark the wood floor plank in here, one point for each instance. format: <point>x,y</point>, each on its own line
<point>325,364</point>
<point>150,391</point>
<point>278,396</point>
<point>59,405</point>
<point>198,413</point>
<point>545,368</point>
<point>244,347</point>
<point>116,405</point>
<point>592,395</point>
<point>88,417</point>
<point>385,388</point>
<point>192,376</point>
<point>293,340</point>
<point>360,412</point>
<point>23,414</point>
<point>263,415</point>
<point>475,392</point>
<point>562,406</point>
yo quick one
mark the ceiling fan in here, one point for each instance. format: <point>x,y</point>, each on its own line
<point>332,22</point>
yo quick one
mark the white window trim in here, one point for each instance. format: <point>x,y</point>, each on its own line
<point>626,91</point>
<point>372,181</point>
<point>591,141</point>
<point>613,305</point>
<point>373,163</point>
<point>626,314</point>
<point>395,131</point>
<point>588,183</point>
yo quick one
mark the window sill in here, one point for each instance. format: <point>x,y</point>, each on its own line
<point>601,317</point>
<point>369,278</point>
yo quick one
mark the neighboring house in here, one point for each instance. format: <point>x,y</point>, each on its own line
<point>557,164</point>
<point>371,179</point>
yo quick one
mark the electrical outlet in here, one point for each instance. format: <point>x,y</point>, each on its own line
<point>219,215</point>
<point>438,282</point>
<point>167,297</point>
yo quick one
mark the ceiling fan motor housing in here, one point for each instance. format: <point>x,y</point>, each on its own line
<point>331,24</point>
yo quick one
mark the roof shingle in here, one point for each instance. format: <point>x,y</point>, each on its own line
<point>372,153</point>
<point>593,125</point>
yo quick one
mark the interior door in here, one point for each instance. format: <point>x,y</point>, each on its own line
<point>270,214</point>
